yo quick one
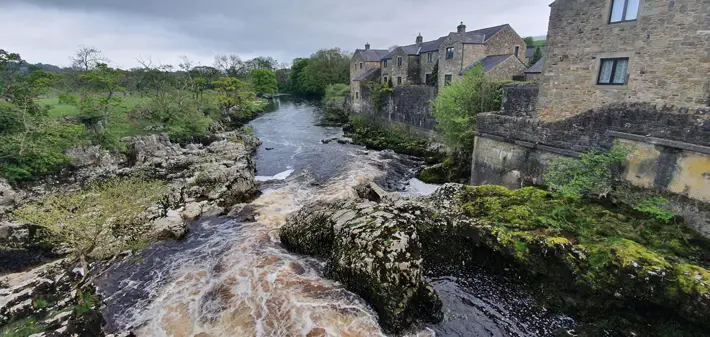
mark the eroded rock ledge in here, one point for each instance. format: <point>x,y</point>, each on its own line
<point>381,250</point>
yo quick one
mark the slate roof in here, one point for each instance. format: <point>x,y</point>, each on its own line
<point>530,52</point>
<point>372,55</point>
<point>367,74</point>
<point>488,62</point>
<point>431,46</point>
<point>479,36</point>
<point>537,67</point>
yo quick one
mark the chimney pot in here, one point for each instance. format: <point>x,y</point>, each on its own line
<point>420,39</point>
<point>461,28</point>
<point>367,46</point>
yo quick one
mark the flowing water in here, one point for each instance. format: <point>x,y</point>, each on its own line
<point>235,279</point>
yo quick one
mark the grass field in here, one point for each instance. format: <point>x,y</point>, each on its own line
<point>539,43</point>
<point>62,110</point>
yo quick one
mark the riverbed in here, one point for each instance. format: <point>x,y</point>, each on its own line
<point>235,279</point>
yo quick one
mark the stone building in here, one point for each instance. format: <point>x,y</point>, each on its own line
<point>534,73</point>
<point>606,51</point>
<point>364,66</point>
<point>411,64</point>
<point>460,50</point>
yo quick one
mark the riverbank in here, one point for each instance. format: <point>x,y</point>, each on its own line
<point>651,283</point>
<point>192,180</point>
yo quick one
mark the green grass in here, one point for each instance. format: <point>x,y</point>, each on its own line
<point>539,43</point>
<point>64,110</point>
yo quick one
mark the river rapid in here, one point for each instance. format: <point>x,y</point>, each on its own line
<point>235,279</point>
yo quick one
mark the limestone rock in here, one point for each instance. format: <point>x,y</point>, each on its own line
<point>7,196</point>
<point>242,213</point>
<point>192,211</point>
<point>375,251</point>
<point>371,191</point>
<point>170,227</point>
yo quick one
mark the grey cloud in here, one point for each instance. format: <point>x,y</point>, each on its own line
<point>296,28</point>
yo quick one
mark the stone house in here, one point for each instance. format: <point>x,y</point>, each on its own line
<point>364,66</point>
<point>606,51</point>
<point>460,50</point>
<point>534,73</point>
<point>411,64</point>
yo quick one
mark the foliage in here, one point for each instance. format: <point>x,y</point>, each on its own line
<point>529,41</point>
<point>594,174</point>
<point>325,67</point>
<point>229,89</point>
<point>456,107</point>
<point>98,221</point>
<point>537,56</point>
<point>264,82</point>
<point>434,78</point>
<point>33,146</point>
<point>336,113</point>
<point>370,132</point>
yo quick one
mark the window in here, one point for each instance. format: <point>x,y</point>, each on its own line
<point>624,10</point>
<point>399,61</point>
<point>613,71</point>
<point>399,80</point>
<point>447,80</point>
<point>449,53</point>
<point>517,50</point>
<point>357,94</point>
<point>384,64</point>
<point>360,65</point>
<point>427,79</point>
<point>430,58</point>
<point>385,79</point>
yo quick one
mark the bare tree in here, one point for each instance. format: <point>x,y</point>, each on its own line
<point>86,58</point>
<point>230,65</point>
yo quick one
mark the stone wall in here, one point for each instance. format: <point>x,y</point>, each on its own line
<point>667,49</point>
<point>506,70</point>
<point>671,149</point>
<point>520,100</point>
<point>408,105</point>
<point>504,43</point>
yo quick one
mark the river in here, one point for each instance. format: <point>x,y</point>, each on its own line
<point>235,279</point>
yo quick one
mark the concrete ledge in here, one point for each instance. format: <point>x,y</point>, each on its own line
<point>661,141</point>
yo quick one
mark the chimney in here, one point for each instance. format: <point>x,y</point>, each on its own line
<point>420,39</point>
<point>367,46</point>
<point>461,28</point>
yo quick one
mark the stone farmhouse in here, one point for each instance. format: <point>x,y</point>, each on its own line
<point>605,51</point>
<point>635,72</point>
<point>500,50</point>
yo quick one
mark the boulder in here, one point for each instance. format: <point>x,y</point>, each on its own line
<point>374,250</point>
<point>172,227</point>
<point>7,196</point>
<point>192,211</point>
<point>243,213</point>
<point>371,191</point>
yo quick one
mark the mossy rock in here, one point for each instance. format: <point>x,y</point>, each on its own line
<point>435,174</point>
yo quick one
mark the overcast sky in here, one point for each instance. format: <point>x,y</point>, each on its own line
<point>48,31</point>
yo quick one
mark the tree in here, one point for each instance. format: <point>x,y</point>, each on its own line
<point>325,67</point>
<point>97,222</point>
<point>264,82</point>
<point>434,77</point>
<point>87,58</point>
<point>99,102</point>
<point>529,41</point>
<point>229,89</point>
<point>457,105</point>
<point>537,56</point>
<point>230,65</point>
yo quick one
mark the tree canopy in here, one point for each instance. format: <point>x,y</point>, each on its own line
<point>264,81</point>
<point>325,67</point>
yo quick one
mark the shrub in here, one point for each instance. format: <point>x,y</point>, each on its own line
<point>594,174</point>
<point>99,221</point>
<point>36,146</point>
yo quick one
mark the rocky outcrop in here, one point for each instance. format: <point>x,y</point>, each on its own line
<point>374,250</point>
<point>380,250</point>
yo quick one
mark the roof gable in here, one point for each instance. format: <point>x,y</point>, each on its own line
<point>489,62</point>
<point>537,67</point>
<point>479,36</point>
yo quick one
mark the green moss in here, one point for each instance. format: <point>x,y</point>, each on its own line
<point>435,174</point>
<point>692,279</point>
